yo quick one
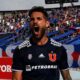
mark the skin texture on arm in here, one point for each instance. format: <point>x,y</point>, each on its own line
<point>64,67</point>
<point>17,75</point>
<point>66,74</point>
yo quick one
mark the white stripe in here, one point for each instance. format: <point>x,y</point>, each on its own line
<point>65,69</point>
<point>16,70</point>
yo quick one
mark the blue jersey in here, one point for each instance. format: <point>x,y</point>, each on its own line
<point>40,62</point>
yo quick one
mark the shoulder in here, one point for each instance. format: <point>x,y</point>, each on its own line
<point>55,43</point>
<point>22,47</point>
<point>25,43</point>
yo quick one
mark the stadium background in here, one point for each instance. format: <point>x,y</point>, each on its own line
<point>7,5</point>
<point>9,40</point>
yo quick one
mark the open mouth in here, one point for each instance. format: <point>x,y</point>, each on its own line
<point>36,29</point>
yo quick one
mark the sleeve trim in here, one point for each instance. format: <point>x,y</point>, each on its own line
<point>65,69</point>
<point>16,70</point>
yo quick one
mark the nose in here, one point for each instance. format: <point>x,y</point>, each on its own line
<point>35,21</point>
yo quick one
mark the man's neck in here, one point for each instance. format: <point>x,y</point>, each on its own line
<point>43,41</point>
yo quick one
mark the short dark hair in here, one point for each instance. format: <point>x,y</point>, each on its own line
<point>38,9</point>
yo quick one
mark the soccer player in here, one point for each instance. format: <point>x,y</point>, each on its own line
<point>39,57</point>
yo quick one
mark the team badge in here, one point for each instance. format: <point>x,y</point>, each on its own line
<point>52,56</point>
<point>29,56</point>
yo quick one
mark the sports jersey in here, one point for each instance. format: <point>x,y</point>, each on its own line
<point>40,62</point>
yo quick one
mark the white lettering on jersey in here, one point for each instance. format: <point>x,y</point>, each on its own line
<point>39,67</point>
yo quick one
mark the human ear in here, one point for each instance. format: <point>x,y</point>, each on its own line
<point>47,24</point>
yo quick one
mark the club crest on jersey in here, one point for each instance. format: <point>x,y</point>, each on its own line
<point>29,56</point>
<point>52,56</point>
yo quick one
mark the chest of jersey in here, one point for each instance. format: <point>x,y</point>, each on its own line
<point>41,55</point>
<point>40,60</point>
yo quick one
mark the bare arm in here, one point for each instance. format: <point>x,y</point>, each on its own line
<point>66,75</point>
<point>17,75</point>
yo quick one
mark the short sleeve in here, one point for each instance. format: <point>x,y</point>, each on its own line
<point>63,63</point>
<point>17,60</point>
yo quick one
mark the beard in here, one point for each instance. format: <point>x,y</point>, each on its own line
<point>39,30</point>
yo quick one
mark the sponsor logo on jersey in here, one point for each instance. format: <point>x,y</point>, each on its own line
<point>28,68</point>
<point>40,67</point>
<point>52,56</point>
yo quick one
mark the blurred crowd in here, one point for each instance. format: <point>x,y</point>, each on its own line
<point>60,20</point>
<point>64,19</point>
<point>11,22</point>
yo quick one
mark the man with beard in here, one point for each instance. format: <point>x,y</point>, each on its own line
<point>39,57</point>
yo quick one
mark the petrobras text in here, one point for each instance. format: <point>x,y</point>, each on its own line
<point>40,67</point>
